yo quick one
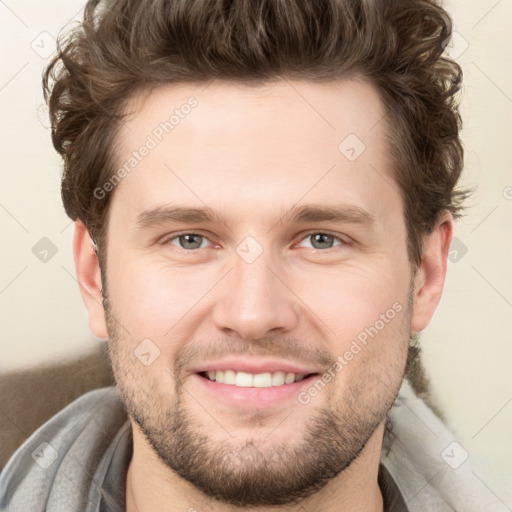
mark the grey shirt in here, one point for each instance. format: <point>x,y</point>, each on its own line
<point>78,462</point>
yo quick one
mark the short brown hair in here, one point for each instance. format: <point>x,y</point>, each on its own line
<point>125,46</point>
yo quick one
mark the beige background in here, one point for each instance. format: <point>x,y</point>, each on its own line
<point>468,345</point>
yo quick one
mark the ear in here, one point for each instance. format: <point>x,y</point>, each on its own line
<point>89,279</point>
<point>430,277</point>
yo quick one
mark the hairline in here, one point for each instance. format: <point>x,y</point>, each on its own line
<point>142,92</point>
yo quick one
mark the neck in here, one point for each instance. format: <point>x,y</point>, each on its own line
<point>152,486</point>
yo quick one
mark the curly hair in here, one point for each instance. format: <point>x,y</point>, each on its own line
<point>124,47</point>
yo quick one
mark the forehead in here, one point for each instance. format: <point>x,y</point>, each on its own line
<point>244,147</point>
<point>314,108</point>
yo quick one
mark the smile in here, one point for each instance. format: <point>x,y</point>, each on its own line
<point>250,380</point>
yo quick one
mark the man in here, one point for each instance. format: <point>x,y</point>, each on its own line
<point>263,195</point>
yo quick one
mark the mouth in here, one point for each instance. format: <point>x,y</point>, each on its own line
<point>250,380</point>
<point>243,390</point>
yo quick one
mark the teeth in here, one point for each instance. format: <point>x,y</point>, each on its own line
<point>244,380</point>
<point>229,377</point>
<point>248,380</point>
<point>278,379</point>
<point>289,378</point>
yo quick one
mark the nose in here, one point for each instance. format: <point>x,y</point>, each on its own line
<point>254,300</point>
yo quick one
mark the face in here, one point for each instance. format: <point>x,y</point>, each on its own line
<point>296,267</point>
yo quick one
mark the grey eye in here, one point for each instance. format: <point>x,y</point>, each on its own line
<point>190,241</point>
<point>322,241</point>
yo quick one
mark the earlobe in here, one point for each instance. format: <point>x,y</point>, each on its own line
<point>89,279</point>
<point>430,277</point>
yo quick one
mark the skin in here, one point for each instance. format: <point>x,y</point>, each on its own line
<point>251,153</point>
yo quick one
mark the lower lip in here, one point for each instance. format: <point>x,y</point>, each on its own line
<point>254,397</point>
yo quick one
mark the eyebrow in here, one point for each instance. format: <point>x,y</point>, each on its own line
<point>351,214</point>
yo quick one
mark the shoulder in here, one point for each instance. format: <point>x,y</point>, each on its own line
<point>427,461</point>
<point>59,459</point>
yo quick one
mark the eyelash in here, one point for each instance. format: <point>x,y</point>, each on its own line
<point>167,240</point>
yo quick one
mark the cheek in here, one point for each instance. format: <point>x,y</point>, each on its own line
<point>368,320</point>
<point>152,300</point>
<point>371,361</point>
<point>157,301</point>
<point>351,299</point>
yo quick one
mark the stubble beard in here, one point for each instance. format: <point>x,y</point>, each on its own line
<point>244,472</point>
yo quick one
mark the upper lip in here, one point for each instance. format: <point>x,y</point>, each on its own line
<point>258,366</point>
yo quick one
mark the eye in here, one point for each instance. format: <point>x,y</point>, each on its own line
<point>191,241</point>
<point>322,240</point>
<point>187,241</point>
